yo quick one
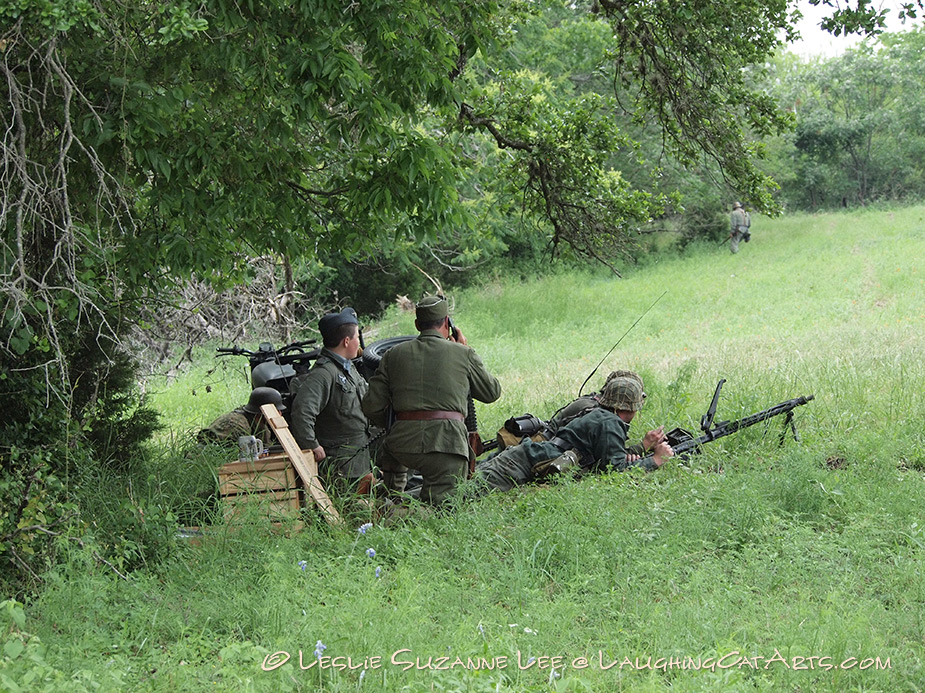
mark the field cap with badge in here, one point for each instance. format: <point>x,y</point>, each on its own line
<point>330,323</point>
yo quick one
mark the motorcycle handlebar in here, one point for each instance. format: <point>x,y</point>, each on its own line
<point>271,353</point>
<point>233,351</point>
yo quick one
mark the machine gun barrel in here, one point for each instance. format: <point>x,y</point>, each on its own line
<point>683,442</point>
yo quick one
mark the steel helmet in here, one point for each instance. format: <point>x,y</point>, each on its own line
<point>260,396</point>
<point>272,374</point>
<point>623,393</point>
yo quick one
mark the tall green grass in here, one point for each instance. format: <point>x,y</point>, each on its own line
<point>774,565</point>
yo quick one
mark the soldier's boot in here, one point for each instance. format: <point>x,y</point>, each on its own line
<point>395,482</point>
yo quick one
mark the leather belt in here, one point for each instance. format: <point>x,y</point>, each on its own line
<point>429,415</point>
<point>559,443</point>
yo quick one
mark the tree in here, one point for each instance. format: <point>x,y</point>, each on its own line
<point>857,135</point>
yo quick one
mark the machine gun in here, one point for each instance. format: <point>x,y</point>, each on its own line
<point>685,444</point>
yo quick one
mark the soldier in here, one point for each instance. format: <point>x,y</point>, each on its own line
<point>426,382</point>
<point>326,414</point>
<point>595,441</point>
<point>582,405</point>
<point>739,223</point>
<point>243,421</point>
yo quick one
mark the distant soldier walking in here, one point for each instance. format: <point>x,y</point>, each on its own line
<point>426,383</point>
<point>739,223</point>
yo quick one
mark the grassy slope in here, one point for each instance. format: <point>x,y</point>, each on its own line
<point>811,550</point>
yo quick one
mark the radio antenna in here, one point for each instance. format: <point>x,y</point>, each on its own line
<point>620,340</point>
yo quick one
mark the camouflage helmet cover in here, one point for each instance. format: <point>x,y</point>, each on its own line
<point>623,393</point>
<point>624,374</point>
<point>260,396</point>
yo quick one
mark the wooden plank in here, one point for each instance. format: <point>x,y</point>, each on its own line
<point>305,465</point>
<point>277,504</point>
<point>279,460</point>
<point>278,477</point>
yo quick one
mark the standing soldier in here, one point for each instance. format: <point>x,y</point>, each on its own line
<point>739,223</point>
<point>425,384</point>
<point>326,414</point>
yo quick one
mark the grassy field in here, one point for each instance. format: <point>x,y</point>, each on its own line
<point>750,567</point>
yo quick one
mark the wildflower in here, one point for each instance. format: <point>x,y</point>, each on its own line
<point>303,564</point>
<point>482,630</point>
<point>365,527</point>
<point>371,553</point>
<point>319,648</point>
<point>553,675</point>
<point>362,675</point>
<point>378,571</point>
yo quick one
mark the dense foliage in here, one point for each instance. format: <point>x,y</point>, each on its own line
<point>858,136</point>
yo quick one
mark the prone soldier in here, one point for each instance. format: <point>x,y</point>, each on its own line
<point>242,421</point>
<point>594,441</point>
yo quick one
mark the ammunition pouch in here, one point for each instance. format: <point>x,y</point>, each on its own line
<point>506,439</point>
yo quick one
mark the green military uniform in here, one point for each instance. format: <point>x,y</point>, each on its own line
<point>572,410</point>
<point>598,437</point>
<point>326,411</point>
<point>582,405</point>
<point>426,382</point>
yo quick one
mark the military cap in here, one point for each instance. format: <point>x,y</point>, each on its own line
<point>330,322</point>
<point>431,309</point>
<point>623,393</point>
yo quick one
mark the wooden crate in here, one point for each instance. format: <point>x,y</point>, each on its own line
<point>270,482</point>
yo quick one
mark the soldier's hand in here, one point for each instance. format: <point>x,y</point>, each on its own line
<point>662,452</point>
<point>319,453</point>
<point>653,438</point>
<point>458,337</point>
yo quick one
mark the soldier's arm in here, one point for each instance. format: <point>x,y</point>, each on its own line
<point>613,450</point>
<point>311,397</point>
<point>483,386</point>
<point>375,403</point>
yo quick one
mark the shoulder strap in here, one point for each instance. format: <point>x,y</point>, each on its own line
<point>578,415</point>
